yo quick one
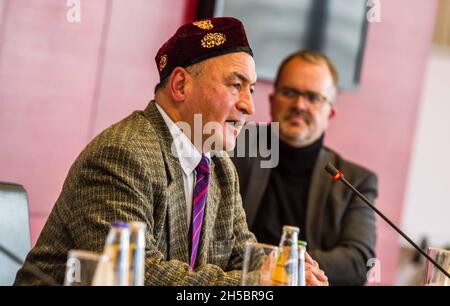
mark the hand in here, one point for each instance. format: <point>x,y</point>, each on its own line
<point>313,274</point>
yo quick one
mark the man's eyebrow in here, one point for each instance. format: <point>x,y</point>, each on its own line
<point>240,76</point>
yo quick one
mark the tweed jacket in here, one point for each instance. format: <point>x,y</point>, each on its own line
<point>128,173</point>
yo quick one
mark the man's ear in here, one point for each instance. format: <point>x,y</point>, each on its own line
<point>333,112</point>
<point>271,97</point>
<point>177,84</point>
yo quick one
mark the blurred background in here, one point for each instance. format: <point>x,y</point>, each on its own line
<point>69,69</point>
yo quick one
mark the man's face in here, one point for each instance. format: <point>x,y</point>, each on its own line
<point>301,102</point>
<point>222,93</point>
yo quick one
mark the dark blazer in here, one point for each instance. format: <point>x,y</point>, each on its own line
<point>128,173</point>
<point>340,229</point>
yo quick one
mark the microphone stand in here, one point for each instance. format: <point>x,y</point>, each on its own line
<point>338,176</point>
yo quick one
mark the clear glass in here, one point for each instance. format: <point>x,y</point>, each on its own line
<point>259,262</point>
<point>105,274</point>
<point>434,276</point>
<point>80,268</point>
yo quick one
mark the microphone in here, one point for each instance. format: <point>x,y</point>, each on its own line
<point>29,268</point>
<point>338,176</point>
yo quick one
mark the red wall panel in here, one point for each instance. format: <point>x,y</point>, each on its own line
<point>61,83</point>
<point>47,71</point>
<point>136,33</point>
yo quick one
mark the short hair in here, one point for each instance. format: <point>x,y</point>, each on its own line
<point>195,70</point>
<point>312,57</point>
<point>162,84</point>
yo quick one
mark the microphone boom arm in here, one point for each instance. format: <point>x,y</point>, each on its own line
<point>338,176</point>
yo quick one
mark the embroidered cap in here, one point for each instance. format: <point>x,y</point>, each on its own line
<point>196,41</point>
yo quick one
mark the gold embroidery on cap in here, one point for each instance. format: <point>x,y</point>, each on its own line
<point>212,40</point>
<point>204,24</point>
<point>162,62</point>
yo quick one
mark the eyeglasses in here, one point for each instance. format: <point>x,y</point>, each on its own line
<point>293,94</point>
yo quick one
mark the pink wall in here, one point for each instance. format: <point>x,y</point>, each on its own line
<point>61,83</point>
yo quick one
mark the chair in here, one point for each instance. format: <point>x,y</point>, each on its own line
<point>14,229</point>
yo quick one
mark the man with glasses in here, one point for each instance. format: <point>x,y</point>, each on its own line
<point>339,229</point>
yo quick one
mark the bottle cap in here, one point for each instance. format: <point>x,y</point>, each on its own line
<point>291,228</point>
<point>302,243</point>
<point>120,224</point>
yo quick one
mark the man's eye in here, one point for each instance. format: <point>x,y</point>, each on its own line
<point>311,97</point>
<point>237,86</point>
<point>290,93</point>
<point>252,90</point>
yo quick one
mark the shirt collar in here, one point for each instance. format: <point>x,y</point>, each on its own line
<point>187,153</point>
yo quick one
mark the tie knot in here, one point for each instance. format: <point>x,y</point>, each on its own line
<point>203,165</point>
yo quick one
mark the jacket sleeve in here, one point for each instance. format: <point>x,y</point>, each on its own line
<point>348,262</point>
<point>114,187</point>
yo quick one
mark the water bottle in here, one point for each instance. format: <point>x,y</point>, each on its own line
<point>117,249</point>
<point>137,253</point>
<point>285,272</point>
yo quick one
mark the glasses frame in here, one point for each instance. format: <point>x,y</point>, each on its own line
<point>313,98</point>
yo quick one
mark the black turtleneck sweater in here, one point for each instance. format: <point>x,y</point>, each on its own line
<point>285,198</point>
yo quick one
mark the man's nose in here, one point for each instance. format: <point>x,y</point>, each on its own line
<point>301,102</point>
<point>245,104</point>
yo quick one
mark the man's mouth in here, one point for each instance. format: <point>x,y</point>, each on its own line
<point>297,119</point>
<point>234,123</point>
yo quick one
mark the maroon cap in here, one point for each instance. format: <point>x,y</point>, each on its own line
<point>196,41</point>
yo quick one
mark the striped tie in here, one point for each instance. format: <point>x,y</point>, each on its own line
<point>199,203</point>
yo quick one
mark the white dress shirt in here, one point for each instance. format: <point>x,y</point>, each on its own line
<point>189,158</point>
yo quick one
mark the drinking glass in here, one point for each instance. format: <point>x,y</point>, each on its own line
<point>259,261</point>
<point>80,268</point>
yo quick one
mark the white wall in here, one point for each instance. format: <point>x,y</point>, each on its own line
<point>427,201</point>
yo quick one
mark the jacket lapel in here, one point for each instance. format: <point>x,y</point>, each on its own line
<point>318,193</point>
<point>173,197</point>
<point>178,230</point>
<point>259,178</point>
